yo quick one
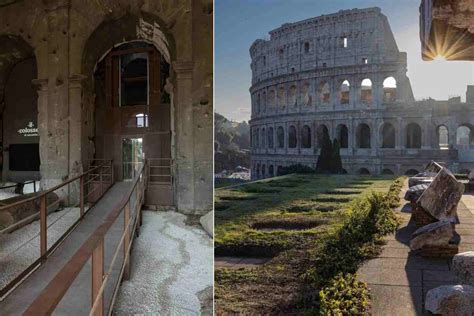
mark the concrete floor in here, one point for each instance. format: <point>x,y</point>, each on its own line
<point>172,265</point>
<point>399,280</point>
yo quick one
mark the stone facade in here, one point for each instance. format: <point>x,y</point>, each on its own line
<point>343,74</point>
<point>68,38</point>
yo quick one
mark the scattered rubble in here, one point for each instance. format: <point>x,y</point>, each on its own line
<point>435,234</point>
<point>463,267</point>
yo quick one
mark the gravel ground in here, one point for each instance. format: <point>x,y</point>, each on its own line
<point>21,248</point>
<point>171,264</point>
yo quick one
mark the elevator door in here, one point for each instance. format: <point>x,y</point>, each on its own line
<point>132,156</point>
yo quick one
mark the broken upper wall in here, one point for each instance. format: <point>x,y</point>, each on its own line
<point>447,29</point>
<point>346,38</point>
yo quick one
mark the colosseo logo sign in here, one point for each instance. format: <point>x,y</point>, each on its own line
<point>29,131</point>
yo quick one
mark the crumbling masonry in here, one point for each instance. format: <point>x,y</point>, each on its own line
<point>342,74</point>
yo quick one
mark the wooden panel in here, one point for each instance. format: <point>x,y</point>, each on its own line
<point>159,194</point>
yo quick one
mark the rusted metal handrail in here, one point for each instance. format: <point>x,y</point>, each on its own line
<point>152,169</point>
<point>43,213</point>
<point>93,247</point>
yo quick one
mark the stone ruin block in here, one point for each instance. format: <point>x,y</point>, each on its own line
<point>442,196</point>
<point>414,192</point>
<point>463,267</point>
<point>435,234</point>
<point>420,216</point>
<point>451,300</point>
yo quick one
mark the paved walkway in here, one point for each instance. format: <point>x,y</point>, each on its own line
<point>77,299</point>
<point>400,280</point>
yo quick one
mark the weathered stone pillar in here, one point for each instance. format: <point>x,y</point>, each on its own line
<point>400,144</point>
<point>426,136</point>
<point>184,136</point>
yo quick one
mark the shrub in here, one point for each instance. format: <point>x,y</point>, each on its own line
<point>298,168</point>
<point>345,295</point>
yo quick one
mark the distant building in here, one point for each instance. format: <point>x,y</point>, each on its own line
<point>342,74</point>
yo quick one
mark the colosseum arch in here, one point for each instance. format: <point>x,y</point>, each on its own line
<point>271,100</point>
<point>389,90</point>
<point>257,138</point>
<point>442,137</point>
<point>411,172</point>
<point>306,136</point>
<point>258,102</point>
<point>264,101</point>
<point>292,137</point>
<point>387,136</point>
<point>366,91</point>
<point>324,93</point>
<point>292,96</point>
<point>344,92</point>
<point>413,135</point>
<point>264,169</point>
<point>306,97</point>
<point>363,172</point>
<point>270,171</point>
<point>321,132</point>
<point>263,137</point>
<point>281,97</point>
<point>257,172</point>
<point>363,136</point>
<point>387,171</point>
<point>465,136</point>
<point>343,135</point>
<point>270,137</point>
<point>280,137</point>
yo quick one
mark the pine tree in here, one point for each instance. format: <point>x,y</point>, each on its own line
<point>336,162</point>
<point>325,155</point>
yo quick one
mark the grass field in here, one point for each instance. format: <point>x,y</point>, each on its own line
<point>284,219</point>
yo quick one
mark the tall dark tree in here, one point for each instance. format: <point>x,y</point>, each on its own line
<point>336,162</point>
<point>325,155</point>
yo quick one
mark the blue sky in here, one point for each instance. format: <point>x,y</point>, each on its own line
<point>239,22</point>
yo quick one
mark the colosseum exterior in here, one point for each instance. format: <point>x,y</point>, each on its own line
<point>343,74</point>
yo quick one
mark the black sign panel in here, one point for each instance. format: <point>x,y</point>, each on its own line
<point>24,157</point>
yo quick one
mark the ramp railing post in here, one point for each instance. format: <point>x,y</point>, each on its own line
<point>81,195</point>
<point>43,226</point>
<point>97,278</point>
<point>126,242</point>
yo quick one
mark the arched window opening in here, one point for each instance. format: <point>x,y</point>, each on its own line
<point>257,173</point>
<point>134,79</point>
<point>343,136</point>
<point>270,137</point>
<point>292,141</point>
<point>387,172</point>
<point>306,47</point>
<point>413,135</point>
<point>389,90</point>
<point>281,97</point>
<point>307,100</point>
<point>388,136</point>
<point>443,138</point>
<point>279,170</point>
<point>322,133</point>
<point>258,103</point>
<point>292,96</point>
<point>363,136</point>
<point>324,93</point>
<point>264,169</point>
<point>263,138</point>
<point>257,138</point>
<point>344,92</point>
<point>306,137</point>
<point>270,171</point>
<point>280,137</point>
<point>366,91</point>
<point>364,172</point>
<point>264,101</point>
<point>464,136</point>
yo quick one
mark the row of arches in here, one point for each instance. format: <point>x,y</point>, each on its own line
<point>264,138</point>
<point>301,94</point>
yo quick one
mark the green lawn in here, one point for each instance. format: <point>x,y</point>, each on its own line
<point>286,219</point>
